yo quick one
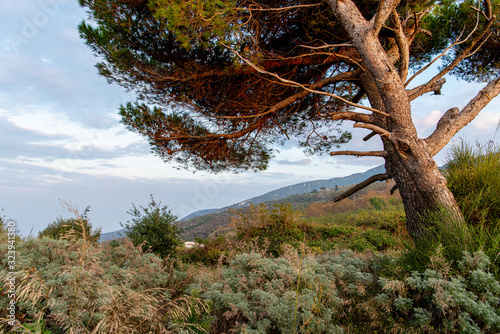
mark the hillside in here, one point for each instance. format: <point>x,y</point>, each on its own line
<point>215,223</point>
<point>307,187</point>
<point>204,222</point>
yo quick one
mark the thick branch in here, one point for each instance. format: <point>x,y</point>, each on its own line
<point>384,9</point>
<point>402,41</point>
<point>360,154</point>
<point>375,58</point>
<point>453,121</point>
<point>364,184</point>
<point>351,116</point>
<point>431,87</point>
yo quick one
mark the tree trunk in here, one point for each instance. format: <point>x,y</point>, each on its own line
<point>421,185</point>
<point>424,193</point>
<point>408,159</point>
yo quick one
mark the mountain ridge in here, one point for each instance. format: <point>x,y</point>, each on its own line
<point>280,193</point>
<point>294,189</point>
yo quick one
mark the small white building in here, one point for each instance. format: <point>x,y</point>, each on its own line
<point>192,244</point>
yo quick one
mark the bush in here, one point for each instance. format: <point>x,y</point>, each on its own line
<point>264,295</point>
<point>271,227</point>
<point>78,227</point>
<point>79,287</point>
<point>154,228</point>
<point>346,292</point>
<point>208,251</point>
<point>437,301</point>
<point>377,203</point>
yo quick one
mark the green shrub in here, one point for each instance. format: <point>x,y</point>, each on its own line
<point>437,301</point>
<point>208,252</point>
<point>154,228</point>
<point>266,295</point>
<point>78,227</point>
<point>377,203</point>
<point>271,227</point>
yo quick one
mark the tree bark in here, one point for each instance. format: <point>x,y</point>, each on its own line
<point>423,190</point>
<point>409,159</point>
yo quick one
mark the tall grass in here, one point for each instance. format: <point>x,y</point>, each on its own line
<point>473,174</point>
<point>74,285</point>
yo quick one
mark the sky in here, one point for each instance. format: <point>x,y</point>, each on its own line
<point>61,140</point>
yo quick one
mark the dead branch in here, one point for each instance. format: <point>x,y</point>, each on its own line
<point>360,154</point>
<point>369,136</point>
<point>327,46</point>
<point>254,7</point>
<point>351,116</point>
<point>374,128</point>
<point>364,184</point>
<point>434,87</point>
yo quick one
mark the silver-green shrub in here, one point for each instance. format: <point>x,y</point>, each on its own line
<point>348,292</point>
<point>437,301</point>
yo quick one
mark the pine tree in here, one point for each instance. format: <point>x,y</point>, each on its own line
<point>220,83</point>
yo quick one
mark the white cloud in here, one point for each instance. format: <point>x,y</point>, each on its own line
<point>110,136</point>
<point>425,123</point>
<point>487,121</point>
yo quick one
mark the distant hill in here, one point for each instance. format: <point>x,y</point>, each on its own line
<point>198,213</point>
<point>296,189</point>
<point>205,224</point>
<point>112,235</point>
<point>307,187</point>
<point>202,223</point>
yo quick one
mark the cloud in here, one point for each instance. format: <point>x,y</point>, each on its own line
<point>302,162</point>
<point>426,122</point>
<point>487,121</point>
